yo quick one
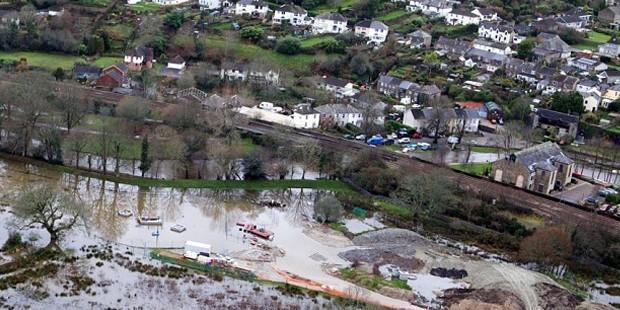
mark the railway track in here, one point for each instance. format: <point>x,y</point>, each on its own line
<point>558,212</point>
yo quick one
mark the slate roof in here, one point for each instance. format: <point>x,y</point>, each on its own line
<point>305,109</point>
<point>542,156</point>
<point>420,34</point>
<point>81,70</point>
<point>552,42</point>
<point>463,12</point>
<point>335,81</point>
<point>252,2</point>
<point>332,16</point>
<point>141,51</point>
<point>291,8</point>
<point>372,24</point>
<point>337,109</point>
<point>497,26</point>
<point>177,60</point>
<point>556,118</point>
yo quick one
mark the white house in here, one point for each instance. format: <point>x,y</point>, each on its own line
<point>462,17</point>
<point>430,7</point>
<point>175,68</point>
<point>375,31</point>
<point>493,47</point>
<point>210,4</point>
<point>610,50</point>
<point>241,72</point>
<point>587,64</point>
<point>170,2</point>
<point>251,7</point>
<point>586,86</point>
<point>329,23</point>
<point>498,32</point>
<point>292,14</point>
<point>304,116</point>
<point>485,14</point>
<point>340,88</point>
<point>591,100</point>
<point>340,114</point>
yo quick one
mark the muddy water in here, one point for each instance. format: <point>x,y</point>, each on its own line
<point>210,216</point>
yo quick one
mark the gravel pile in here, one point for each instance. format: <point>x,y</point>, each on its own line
<point>389,236</point>
<point>382,257</point>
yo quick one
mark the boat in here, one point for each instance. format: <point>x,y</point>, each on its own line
<point>125,213</point>
<point>256,231</point>
<point>178,228</point>
<point>149,220</point>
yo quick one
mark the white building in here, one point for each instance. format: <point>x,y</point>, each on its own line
<point>340,114</point>
<point>329,23</point>
<point>485,14</point>
<point>170,2</point>
<point>591,100</point>
<point>498,32</point>
<point>304,116</point>
<point>430,7</point>
<point>462,17</point>
<point>493,47</point>
<point>245,73</point>
<point>251,7</point>
<point>340,88</point>
<point>292,14</point>
<point>210,4</point>
<point>130,2</point>
<point>375,31</point>
<point>587,64</point>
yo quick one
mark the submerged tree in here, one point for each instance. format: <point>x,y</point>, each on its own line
<point>145,158</point>
<point>328,209</point>
<point>54,210</point>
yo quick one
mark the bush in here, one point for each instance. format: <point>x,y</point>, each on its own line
<point>252,33</point>
<point>288,45</point>
<point>13,242</point>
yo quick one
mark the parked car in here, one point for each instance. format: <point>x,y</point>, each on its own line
<point>348,137</point>
<point>360,137</point>
<point>416,135</point>
<point>424,146</point>
<point>375,140</point>
<point>453,139</point>
<point>404,140</point>
<point>403,133</point>
<point>591,202</point>
<point>392,136</point>
<point>387,141</point>
<point>604,192</point>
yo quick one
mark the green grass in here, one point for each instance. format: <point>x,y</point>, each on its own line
<point>371,281</point>
<point>313,41</point>
<point>593,40</point>
<point>333,6</point>
<point>393,15</point>
<point>52,61</point>
<point>484,149</point>
<point>247,146</point>
<point>106,61</point>
<point>299,64</point>
<point>339,227</point>
<point>119,32</point>
<point>221,26</point>
<point>145,7</point>
<point>394,210</point>
<point>473,168</point>
<point>94,3</point>
<point>614,130</point>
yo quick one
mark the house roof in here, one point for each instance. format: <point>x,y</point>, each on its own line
<point>557,117</point>
<point>372,24</point>
<point>569,19</point>
<point>141,51</point>
<point>486,56</point>
<point>490,43</point>
<point>486,11</point>
<point>177,60</point>
<point>291,8</point>
<point>552,42</point>
<point>420,34</point>
<point>470,104</point>
<point>588,83</point>
<point>500,27</point>
<point>337,109</point>
<point>614,9</point>
<point>252,2</point>
<point>542,156</point>
<point>335,81</point>
<point>304,108</point>
<point>332,16</point>
<point>86,70</point>
<point>463,12</point>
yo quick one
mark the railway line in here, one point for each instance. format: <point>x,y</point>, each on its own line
<point>548,207</point>
<point>559,212</point>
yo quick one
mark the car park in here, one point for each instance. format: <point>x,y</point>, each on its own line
<point>404,140</point>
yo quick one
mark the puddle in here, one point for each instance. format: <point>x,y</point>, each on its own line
<point>426,286</point>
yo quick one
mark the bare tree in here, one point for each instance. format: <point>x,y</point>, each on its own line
<point>51,208</point>
<point>510,134</point>
<point>72,105</point>
<point>308,153</point>
<point>439,118</point>
<point>77,143</point>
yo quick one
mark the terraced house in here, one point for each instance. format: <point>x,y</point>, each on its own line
<point>292,14</point>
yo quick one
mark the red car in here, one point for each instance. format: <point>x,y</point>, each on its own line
<point>416,135</point>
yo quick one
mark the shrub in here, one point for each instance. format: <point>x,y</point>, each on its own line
<point>288,45</point>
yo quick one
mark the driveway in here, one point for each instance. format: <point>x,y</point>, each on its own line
<point>576,193</point>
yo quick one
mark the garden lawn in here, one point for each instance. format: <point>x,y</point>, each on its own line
<point>312,41</point>
<point>52,61</point>
<point>94,3</point>
<point>299,64</point>
<point>145,7</point>
<point>593,40</point>
<point>392,15</point>
<point>472,168</point>
<point>333,6</point>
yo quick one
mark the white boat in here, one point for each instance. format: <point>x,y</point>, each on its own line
<point>149,220</point>
<point>125,213</point>
<point>178,228</point>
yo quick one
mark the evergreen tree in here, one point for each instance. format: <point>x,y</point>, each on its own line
<point>145,159</point>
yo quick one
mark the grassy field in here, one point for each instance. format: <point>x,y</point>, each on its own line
<point>52,61</point>
<point>371,281</point>
<point>484,149</point>
<point>299,64</point>
<point>145,7</point>
<point>221,26</point>
<point>593,41</point>
<point>94,3</point>
<point>473,168</point>
<point>333,6</point>
<point>312,41</point>
<point>393,15</point>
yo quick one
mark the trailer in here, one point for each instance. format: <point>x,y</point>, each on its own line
<point>194,249</point>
